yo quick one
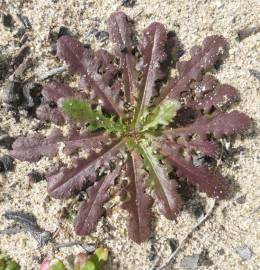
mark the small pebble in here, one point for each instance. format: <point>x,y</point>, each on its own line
<point>244,252</point>
<point>255,73</point>
<point>190,262</point>
<point>20,32</point>
<point>198,160</point>
<point>241,199</point>
<point>63,31</point>
<point>128,3</point>
<point>35,176</point>
<point>24,20</point>
<point>101,36</point>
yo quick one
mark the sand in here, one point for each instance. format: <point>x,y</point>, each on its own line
<point>232,224</point>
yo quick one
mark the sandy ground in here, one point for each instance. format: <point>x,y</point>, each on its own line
<point>234,223</point>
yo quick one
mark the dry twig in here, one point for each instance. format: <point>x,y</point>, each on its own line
<point>51,73</point>
<point>181,245</point>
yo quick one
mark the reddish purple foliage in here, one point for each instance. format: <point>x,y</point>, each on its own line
<point>127,85</point>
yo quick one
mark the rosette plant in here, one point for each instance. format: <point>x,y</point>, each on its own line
<point>140,126</point>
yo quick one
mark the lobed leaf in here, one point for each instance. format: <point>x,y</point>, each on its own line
<point>68,181</point>
<point>105,66</point>
<point>80,111</point>
<point>121,34</point>
<point>202,60</point>
<point>161,115</point>
<point>213,184</point>
<point>35,146</point>
<point>49,114</point>
<point>209,94</point>
<point>153,50</point>
<point>52,94</point>
<point>219,125</point>
<point>139,203</point>
<point>55,92</point>
<point>92,208</point>
<point>166,195</point>
<point>81,60</point>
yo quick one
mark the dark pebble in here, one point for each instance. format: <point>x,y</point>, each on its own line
<point>255,73</point>
<point>241,199</point>
<point>101,35</point>
<point>32,95</point>
<point>6,163</point>
<point>63,31</point>
<point>7,20</point>
<point>198,211</point>
<point>39,126</point>
<point>204,258</point>
<point>128,3</point>
<point>221,251</point>
<point>13,94</point>
<point>35,176</point>
<point>22,96</point>
<point>173,244</point>
<point>5,140</point>
<point>4,66</point>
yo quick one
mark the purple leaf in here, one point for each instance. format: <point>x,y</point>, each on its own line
<point>209,148</point>
<point>87,141</point>
<point>92,208</point>
<point>219,125</point>
<point>106,67</point>
<point>153,49</point>
<point>81,60</point>
<point>68,181</point>
<point>113,87</point>
<point>33,147</point>
<point>202,60</point>
<point>213,184</point>
<point>49,114</point>
<point>209,93</point>
<point>121,34</point>
<point>139,203</point>
<point>169,201</point>
<point>54,92</point>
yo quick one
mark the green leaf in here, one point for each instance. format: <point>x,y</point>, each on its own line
<point>11,265</point>
<point>89,265</point>
<point>81,111</point>
<point>97,260</point>
<point>2,264</point>
<point>151,160</point>
<point>58,266</point>
<point>161,115</point>
<point>102,254</point>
